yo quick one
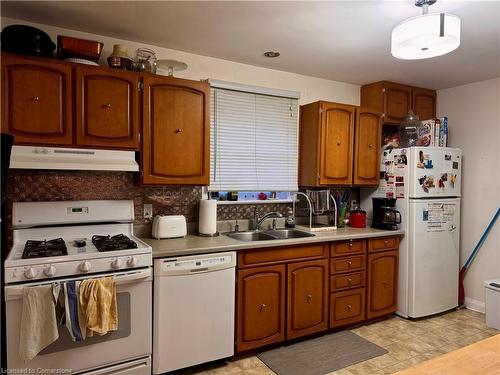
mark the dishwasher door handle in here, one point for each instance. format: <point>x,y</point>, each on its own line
<point>195,270</point>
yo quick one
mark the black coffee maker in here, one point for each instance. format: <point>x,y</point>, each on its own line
<point>385,215</point>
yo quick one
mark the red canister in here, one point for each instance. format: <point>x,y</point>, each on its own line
<point>357,219</point>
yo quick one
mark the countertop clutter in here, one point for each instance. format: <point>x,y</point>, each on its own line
<point>193,244</point>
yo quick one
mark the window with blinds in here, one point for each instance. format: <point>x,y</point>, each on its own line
<point>253,145</point>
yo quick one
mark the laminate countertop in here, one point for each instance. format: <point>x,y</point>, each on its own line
<point>193,244</point>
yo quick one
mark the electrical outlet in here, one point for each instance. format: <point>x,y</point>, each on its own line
<point>148,211</point>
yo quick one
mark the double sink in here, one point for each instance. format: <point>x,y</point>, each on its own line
<point>273,234</point>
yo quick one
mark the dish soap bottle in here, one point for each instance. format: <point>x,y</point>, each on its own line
<point>290,220</point>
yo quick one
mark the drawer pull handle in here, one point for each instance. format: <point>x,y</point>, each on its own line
<point>384,284</point>
<point>370,146</point>
<point>35,98</point>
<point>262,306</point>
<point>349,281</point>
<point>339,143</point>
<point>178,130</point>
<point>349,264</point>
<point>107,105</point>
<point>349,307</point>
<point>386,242</point>
<point>350,245</point>
<point>309,297</point>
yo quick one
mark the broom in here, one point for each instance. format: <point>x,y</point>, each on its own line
<point>463,271</point>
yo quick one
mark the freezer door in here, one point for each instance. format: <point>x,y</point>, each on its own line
<point>435,172</point>
<point>434,256</point>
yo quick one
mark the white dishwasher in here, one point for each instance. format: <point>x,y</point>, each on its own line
<point>193,319</point>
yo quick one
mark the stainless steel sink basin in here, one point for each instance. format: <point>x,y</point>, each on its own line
<point>284,233</point>
<point>277,234</point>
<point>251,236</point>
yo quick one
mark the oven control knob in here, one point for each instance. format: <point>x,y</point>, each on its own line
<point>115,264</point>
<point>30,273</point>
<point>50,271</point>
<point>132,262</point>
<point>85,266</point>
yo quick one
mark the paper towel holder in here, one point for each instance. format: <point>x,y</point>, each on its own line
<point>216,234</point>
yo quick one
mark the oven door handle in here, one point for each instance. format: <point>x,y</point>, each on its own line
<point>15,292</point>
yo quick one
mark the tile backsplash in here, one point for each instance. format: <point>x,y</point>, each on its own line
<point>44,185</point>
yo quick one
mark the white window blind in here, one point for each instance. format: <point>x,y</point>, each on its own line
<point>253,143</point>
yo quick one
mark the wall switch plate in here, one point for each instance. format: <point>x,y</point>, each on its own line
<point>148,211</point>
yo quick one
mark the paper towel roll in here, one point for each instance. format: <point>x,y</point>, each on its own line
<point>208,217</point>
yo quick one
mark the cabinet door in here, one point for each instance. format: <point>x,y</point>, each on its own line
<point>261,307</point>
<point>424,103</point>
<point>368,136</point>
<point>175,149</point>
<point>382,283</point>
<point>107,108</point>
<point>307,298</point>
<point>36,101</point>
<point>337,138</point>
<point>397,102</point>
<point>347,307</point>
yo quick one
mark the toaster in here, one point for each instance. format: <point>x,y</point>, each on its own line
<point>169,226</point>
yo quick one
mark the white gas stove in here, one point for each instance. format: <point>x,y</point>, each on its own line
<point>71,238</point>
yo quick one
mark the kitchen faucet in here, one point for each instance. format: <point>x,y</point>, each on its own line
<point>258,220</point>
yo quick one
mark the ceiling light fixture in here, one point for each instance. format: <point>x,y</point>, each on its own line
<point>271,54</point>
<point>425,36</point>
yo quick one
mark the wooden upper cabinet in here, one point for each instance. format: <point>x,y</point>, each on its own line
<point>307,298</point>
<point>260,318</point>
<point>397,102</point>
<point>37,101</point>
<point>382,283</point>
<point>394,100</point>
<point>175,149</point>
<point>368,134</point>
<point>107,108</point>
<point>337,136</point>
<point>424,103</point>
<point>326,144</point>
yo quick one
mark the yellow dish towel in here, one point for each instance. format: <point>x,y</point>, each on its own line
<point>98,305</point>
<point>38,321</point>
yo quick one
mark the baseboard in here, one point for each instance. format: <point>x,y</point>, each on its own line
<point>475,305</point>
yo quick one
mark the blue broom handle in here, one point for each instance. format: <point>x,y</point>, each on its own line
<point>481,240</point>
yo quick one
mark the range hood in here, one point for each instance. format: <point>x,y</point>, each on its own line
<point>28,157</point>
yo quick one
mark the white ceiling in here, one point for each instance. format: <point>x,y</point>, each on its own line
<point>346,41</point>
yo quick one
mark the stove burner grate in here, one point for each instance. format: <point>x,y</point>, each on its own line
<point>110,243</point>
<point>50,248</point>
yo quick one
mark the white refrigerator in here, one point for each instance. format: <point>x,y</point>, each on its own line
<point>426,182</point>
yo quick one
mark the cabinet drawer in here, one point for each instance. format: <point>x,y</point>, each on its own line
<point>347,307</point>
<point>347,281</point>
<point>347,264</point>
<point>281,254</point>
<point>347,247</point>
<point>383,243</point>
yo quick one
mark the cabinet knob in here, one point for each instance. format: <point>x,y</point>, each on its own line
<point>350,244</point>
<point>349,263</point>
<point>386,242</point>
<point>309,297</point>
<point>384,284</point>
<point>178,130</point>
<point>349,281</point>
<point>35,98</point>
<point>262,306</point>
<point>339,143</point>
<point>370,146</point>
<point>108,105</point>
<point>349,307</point>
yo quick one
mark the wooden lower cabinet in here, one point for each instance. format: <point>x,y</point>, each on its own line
<point>261,307</point>
<point>347,307</point>
<point>307,310</point>
<point>382,283</point>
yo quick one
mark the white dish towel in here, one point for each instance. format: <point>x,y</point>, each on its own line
<point>38,321</point>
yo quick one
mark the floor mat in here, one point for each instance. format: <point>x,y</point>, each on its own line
<point>321,355</point>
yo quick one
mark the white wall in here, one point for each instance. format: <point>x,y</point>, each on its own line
<point>473,112</point>
<point>202,67</point>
